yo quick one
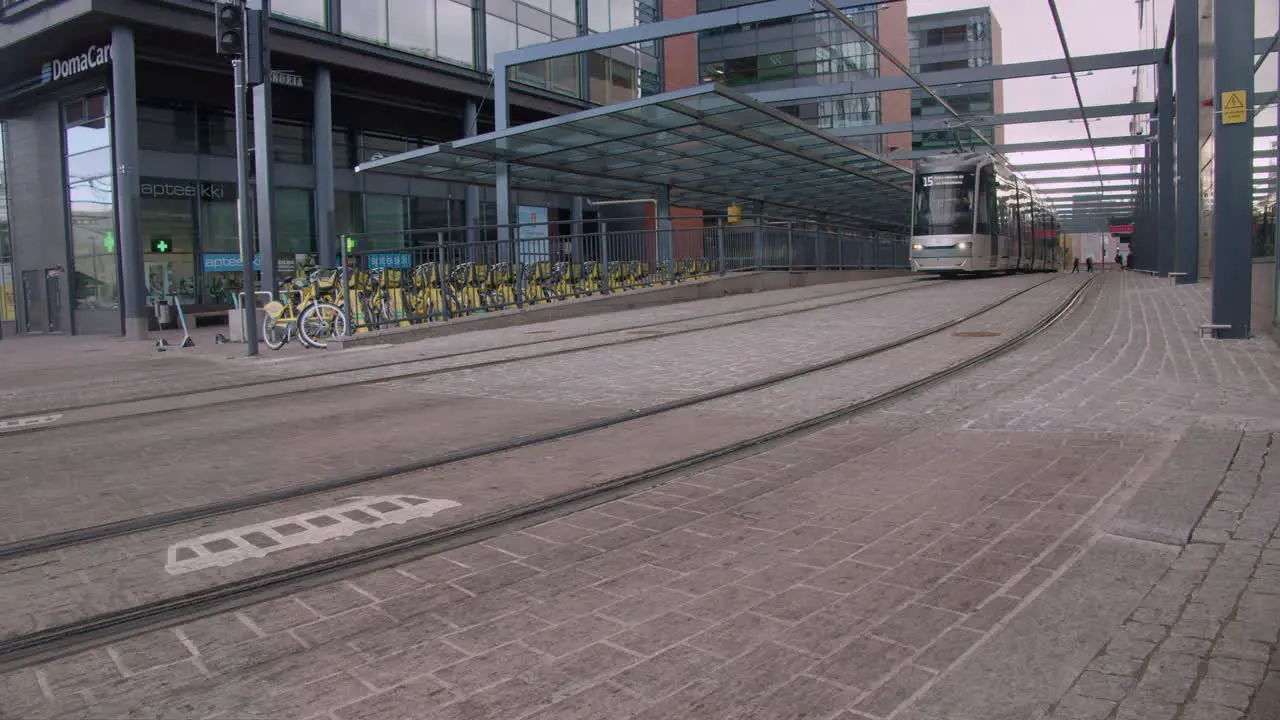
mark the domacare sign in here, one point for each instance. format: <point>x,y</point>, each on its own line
<point>94,56</point>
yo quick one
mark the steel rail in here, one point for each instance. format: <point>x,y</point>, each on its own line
<point>80,536</point>
<point>91,632</point>
<point>870,294</point>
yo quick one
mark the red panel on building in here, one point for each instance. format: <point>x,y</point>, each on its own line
<point>1120,229</point>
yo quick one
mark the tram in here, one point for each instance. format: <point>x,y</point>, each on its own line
<point>971,215</point>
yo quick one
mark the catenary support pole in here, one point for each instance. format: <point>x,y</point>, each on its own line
<point>471,128</point>
<point>1232,167</point>
<point>323,154</point>
<point>249,314</point>
<point>1186,55</point>
<point>124,112</point>
<point>1166,241</point>
<point>264,159</point>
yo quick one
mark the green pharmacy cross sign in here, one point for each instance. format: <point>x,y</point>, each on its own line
<point>161,245</point>
<point>109,241</point>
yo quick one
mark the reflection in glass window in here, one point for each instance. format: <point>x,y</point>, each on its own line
<point>384,221</point>
<point>365,19</point>
<point>412,25</point>
<point>171,221</point>
<point>90,185</point>
<point>309,11</point>
<point>165,127</point>
<point>454,23</point>
<point>500,36</point>
<point>598,15</point>
<point>567,9</point>
<point>295,223</point>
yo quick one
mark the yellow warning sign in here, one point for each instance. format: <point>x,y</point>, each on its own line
<point>1234,107</point>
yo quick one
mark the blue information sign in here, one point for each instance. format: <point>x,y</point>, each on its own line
<point>227,262</point>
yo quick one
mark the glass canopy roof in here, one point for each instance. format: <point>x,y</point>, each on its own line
<point>710,145</point>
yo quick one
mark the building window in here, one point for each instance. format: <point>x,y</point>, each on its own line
<point>95,276</point>
<point>8,311</point>
<point>168,127</point>
<point>295,223</point>
<point>385,221</point>
<point>168,227</point>
<point>434,28</point>
<point>311,12</point>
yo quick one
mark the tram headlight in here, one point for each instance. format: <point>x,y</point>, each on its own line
<point>917,246</point>
<point>963,245</point>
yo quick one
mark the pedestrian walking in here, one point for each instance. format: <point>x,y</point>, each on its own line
<point>1075,265</point>
<point>1088,264</point>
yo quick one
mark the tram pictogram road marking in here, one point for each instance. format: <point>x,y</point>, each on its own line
<point>25,422</point>
<point>227,547</point>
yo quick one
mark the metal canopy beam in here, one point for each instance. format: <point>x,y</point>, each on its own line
<point>1088,190</point>
<point>1075,164</point>
<point>1116,141</point>
<point>1186,249</point>
<point>1042,181</point>
<point>1107,61</point>
<point>1036,116</point>
<point>1075,84</point>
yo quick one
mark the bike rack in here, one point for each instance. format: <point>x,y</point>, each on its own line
<point>238,300</point>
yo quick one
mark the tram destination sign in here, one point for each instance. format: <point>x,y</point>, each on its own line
<point>58,69</point>
<point>945,179</point>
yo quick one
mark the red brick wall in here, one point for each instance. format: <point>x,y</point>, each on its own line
<point>680,70</point>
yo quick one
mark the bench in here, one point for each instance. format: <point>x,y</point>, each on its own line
<point>1173,277</point>
<point>1212,328</point>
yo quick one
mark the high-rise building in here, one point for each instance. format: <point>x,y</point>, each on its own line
<point>811,50</point>
<point>953,41</point>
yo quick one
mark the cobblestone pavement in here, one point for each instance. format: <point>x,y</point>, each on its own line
<point>120,573</point>
<point>948,558</point>
<point>126,468</point>
<point>42,372</point>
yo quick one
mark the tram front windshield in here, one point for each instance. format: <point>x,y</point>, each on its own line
<point>944,204</point>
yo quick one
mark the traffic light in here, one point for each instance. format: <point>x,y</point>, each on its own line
<point>228,28</point>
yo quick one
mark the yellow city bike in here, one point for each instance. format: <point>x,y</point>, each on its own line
<point>311,308</point>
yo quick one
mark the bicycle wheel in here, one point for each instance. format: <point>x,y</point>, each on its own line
<point>274,333</point>
<point>321,321</point>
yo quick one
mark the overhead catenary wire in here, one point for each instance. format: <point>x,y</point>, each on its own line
<point>1075,84</point>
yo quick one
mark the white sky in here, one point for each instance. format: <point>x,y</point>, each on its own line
<point>1092,27</point>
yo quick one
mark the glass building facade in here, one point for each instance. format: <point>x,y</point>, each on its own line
<point>797,52</point>
<point>954,41</point>
<point>444,30</point>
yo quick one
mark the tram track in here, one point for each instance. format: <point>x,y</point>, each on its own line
<point>75,636</point>
<point>17,426</point>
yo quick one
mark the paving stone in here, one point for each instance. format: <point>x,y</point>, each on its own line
<point>1236,670</point>
<point>863,663</point>
<point>409,700</point>
<point>487,668</point>
<point>1224,692</point>
<point>573,635</point>
<point>734,636</point>
<point>496,632</point>
<point>1209,711</point>
<point>653,636</point>
<point>991,613</point>
<point>796,604</point>
<point>144,652</point>
<point>895,691</point>
<point>803,697</point>
<point>661,675</point>
<point>391,670</point>
<point>1078,707</point>
<point>1103,686</point>
<point>1116,665</point>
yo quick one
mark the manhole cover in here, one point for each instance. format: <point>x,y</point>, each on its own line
<point>976,333</point>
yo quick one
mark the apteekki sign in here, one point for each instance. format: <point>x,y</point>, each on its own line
<point>209,191</point>
<point>95,56</point>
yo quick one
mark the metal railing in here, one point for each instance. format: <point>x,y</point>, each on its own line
<point>403,278</point>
